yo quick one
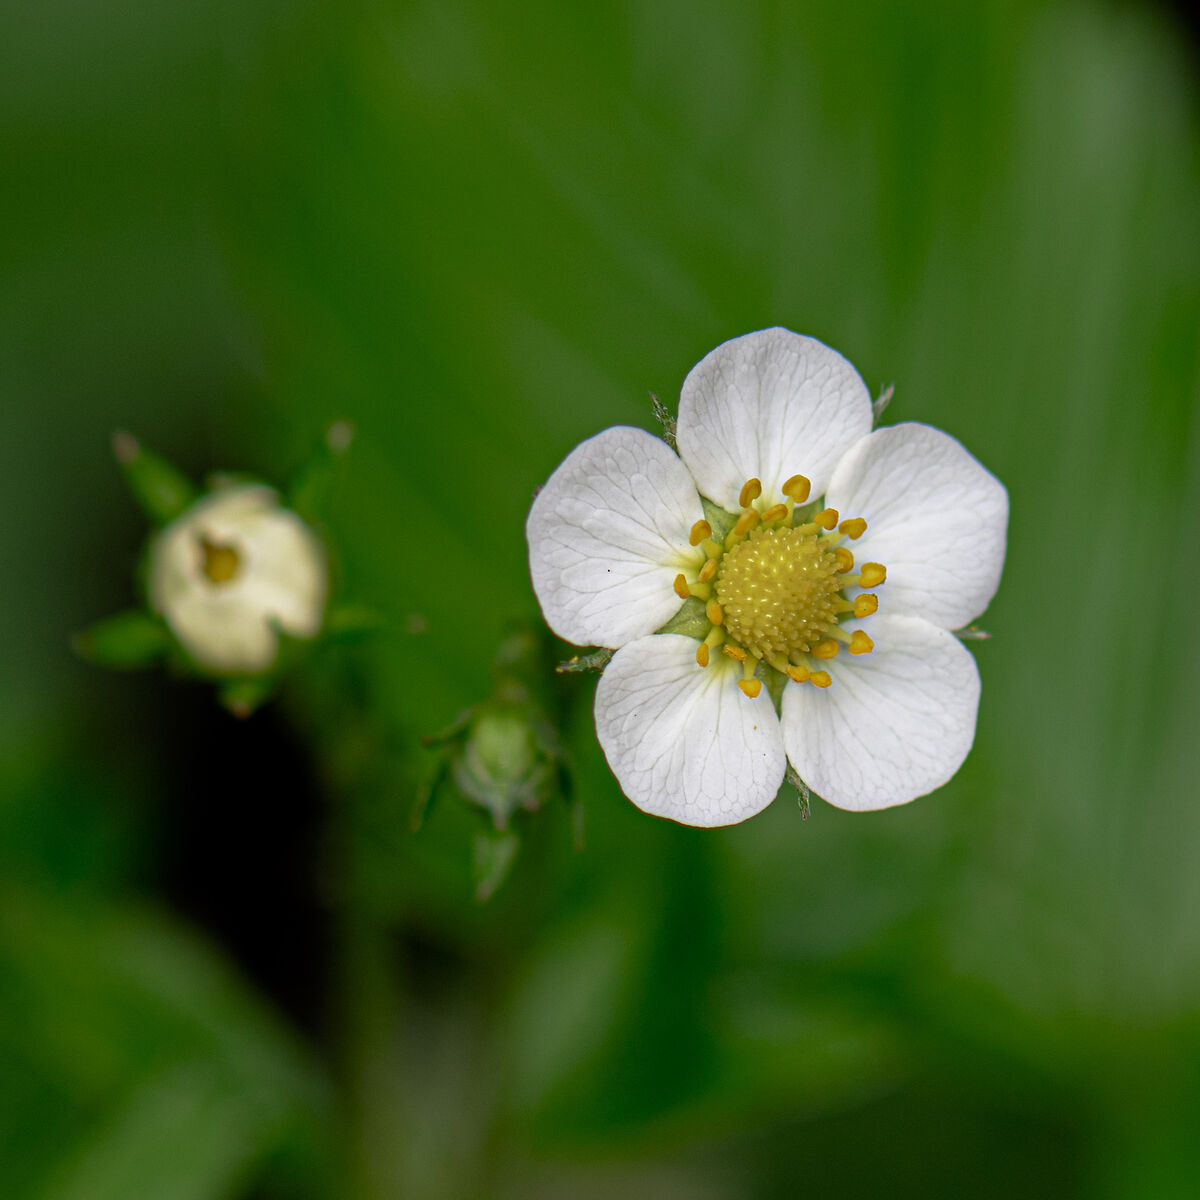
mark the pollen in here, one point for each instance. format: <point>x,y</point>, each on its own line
<point>865,604</point>
<point>776,592</point>
<point>797,488</point>
<point>860,643</point>
<point>751,490</point>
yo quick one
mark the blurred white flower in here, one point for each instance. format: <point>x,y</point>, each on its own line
<point>233,572</point>
<point>618,537</point>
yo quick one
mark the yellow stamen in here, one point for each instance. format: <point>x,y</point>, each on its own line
<point>746,522</point>
<point>681,587</point>
<point>845,559</point>
<point>865,604</point>
<point>702,655</point>
<point>853,528</point>
<point>734,652</point>
<point>700,590</point>
<point>797,488</point>
<point>827,518</point>
<point>798,674</point>
<point>713,612</point>
<point>860,643</point>
<point>825,648</point>
<point>873,574</point>
<point>751,490</point>
<point>708,571</point>
<point>776,513</point>
<point>821,679</point>
<point>711,548</point>
<point>750,687</point>
<point>700,531</point>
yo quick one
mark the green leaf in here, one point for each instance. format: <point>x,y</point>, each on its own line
<point>128,641</point>
<point>161,489</point>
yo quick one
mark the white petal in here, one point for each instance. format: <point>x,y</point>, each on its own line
<point>682,740</point>
<point>607,536</point>
<point>768,406</point>
<point>285,571</point>
<point>936,518</point>
<point>894,725</point>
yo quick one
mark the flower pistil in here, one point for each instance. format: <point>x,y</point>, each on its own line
<point>775,587</point>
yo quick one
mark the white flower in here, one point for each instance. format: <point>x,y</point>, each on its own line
<point>619,536</point>
<point>234,571</point>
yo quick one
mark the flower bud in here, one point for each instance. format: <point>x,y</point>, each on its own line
<point>233,573</point>
<point>500,767</point>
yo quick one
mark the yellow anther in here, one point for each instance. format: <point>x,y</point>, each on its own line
<point>821,679</point>
<point>845,559</point>
<point>700,531</point>
<point>853,528</point>
<point>865,604</point>
<point>825,648</point>
<point>860,643</point>
<point>750,687</point>
<point>775,513</point>
<point>827,518</point>
<point>708,571</point>
<point>751,490</point>
<point>797,488</point>
<point>734,652</point>
<point>681,587</point>
<point>746,522</point>
<point>702,655</point>
<point>713,612</point>
<point>873,574</point>
<point>798,674</point>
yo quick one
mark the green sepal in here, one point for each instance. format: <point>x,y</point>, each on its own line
<point>161,490</point>
<point>880,403</point>
<point>774,681</point>
<point>690,620</point>
<point>309,490</point>
<point>804,513</point>
<point>492,858</point>
<point>804,793</point>
<point>127,641</point>
<point>243,696</point>
<point>663,415</point>
<point>597,660</point>
<point>719,518</point>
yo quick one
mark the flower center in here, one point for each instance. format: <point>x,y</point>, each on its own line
<point>776,587</point>
<point>221,563</point>
<point>777,591</point>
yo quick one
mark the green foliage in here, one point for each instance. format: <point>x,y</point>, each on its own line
<point>126,641</point>
<point>162,491</point>
<point>483,240</point>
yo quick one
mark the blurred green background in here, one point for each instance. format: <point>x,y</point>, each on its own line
<point>483,233</point>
